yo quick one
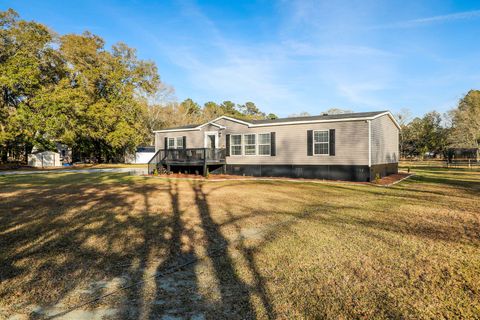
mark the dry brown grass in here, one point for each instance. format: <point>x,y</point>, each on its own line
<point>18,167</point>
<point>259,249</point>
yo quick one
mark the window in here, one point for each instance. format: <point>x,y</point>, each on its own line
<point>250,146</point>
<point>171,143</point>
<point>264,144</point>
<point>236,145</point>
<point>179,142</point>
<point>175,143</point>
<point>320,142</point>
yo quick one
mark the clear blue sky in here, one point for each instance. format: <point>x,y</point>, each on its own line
<point>292,56</point>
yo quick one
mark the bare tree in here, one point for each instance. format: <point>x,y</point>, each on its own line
<point>404,116</point>
<point>301,114</point>
<point>333,111</point>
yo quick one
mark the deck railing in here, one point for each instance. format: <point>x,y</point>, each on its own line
<point>189,156</point>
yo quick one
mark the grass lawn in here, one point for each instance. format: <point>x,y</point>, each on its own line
<point>249,249</point>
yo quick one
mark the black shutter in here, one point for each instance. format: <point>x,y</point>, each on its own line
<point>165,146</point>
<point>184,142</point>
<point>227,144</point>
<point>309,142</point>
<point>273,147</point>
<point>332,142</point>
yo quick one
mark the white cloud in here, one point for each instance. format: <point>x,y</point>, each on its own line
<point>361,93</point>
<point>299,72</point>
<point>431,20</point>
<point>334,50</point>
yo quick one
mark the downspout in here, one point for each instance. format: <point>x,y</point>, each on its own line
<point>369,143</point>
<point>369,150</point>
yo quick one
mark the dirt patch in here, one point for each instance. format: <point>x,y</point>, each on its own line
<point>392,179</point>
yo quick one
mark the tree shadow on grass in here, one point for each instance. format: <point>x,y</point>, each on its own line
<point>54,237</point>
<point>66,240</point>
<point>234,292</point>
<point>176,291</point>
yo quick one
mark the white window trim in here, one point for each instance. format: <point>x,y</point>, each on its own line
<point>176,142</point>
<point>257,144</point>
<point>328,143</point>
<point>210,133</point>
<point>241,145</point>
<point>269,145</point>
<point>175,145</point>
<point>244,145</point>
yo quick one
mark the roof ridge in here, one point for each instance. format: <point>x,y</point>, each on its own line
<point>326,117</point>
<point>339,115</point>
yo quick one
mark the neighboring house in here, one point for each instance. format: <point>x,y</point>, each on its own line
<point>142,155</point>
<point>355,146</point>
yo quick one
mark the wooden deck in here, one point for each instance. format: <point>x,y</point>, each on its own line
<point>192,157</point>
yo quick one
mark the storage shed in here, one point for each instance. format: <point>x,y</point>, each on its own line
<point>44,159</point>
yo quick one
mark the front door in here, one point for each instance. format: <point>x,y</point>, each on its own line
<point>211,140</point>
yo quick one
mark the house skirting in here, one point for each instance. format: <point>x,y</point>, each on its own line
<point>328,172</point>
<point>383,170</point>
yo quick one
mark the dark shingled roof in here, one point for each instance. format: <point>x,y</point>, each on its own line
<point>321,117</point>
<point>294,119</point>
<point>190,126</point>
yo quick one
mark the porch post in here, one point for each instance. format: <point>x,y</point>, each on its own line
<point>204,162</point>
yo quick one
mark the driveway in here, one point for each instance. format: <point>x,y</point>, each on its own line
<point>129,170</point>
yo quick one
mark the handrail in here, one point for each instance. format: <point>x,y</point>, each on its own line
<point>153,164</point>
<point>194,156</point>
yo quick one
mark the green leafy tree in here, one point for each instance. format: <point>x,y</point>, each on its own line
<point>250,110</point>
<point>230,109</point>
<point>70,89</point>
<point>190,108</point>
<point>466,122</point>
<point>28,65</point>
<point>425,135</point>
<point>272,116</point>
<point>111,116</point>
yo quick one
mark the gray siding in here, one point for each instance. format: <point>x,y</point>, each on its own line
<point>384,135</point>
<point>291,143</point>
<point>195,139</point>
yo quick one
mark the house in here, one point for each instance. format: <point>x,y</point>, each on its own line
<point>355,147</point>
